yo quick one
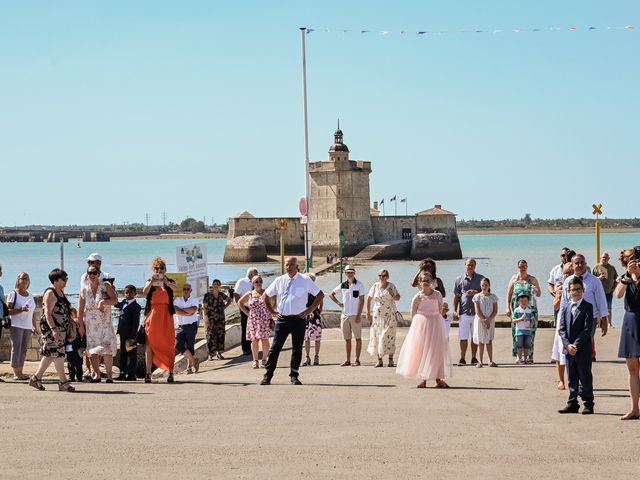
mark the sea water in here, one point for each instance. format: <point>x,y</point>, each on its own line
<point>497,256</point>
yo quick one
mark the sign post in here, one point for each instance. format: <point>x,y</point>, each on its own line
<point>597,211</point>
<point>191,260</point>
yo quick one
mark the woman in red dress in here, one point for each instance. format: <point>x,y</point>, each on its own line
<point>158,320</point>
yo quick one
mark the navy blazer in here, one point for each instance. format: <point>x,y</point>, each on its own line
<point>577,330</point>
<point>129,320</point>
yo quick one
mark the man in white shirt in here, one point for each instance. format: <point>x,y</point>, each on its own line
<point>353,295</point>
<point>243,286</point>
<point>291,292</point>
<point>94,260</point>
<point>187,317</point>
<point>593,293</point>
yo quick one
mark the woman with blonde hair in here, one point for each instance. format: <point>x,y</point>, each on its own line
<point>22,308</point>
<point>158,320</point>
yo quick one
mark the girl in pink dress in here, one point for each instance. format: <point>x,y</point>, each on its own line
<point>425,352</point>
<point>258,320</point>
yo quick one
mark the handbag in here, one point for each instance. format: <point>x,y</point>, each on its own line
<point>72,331</point>
<point>6,319</point>
<point>141,336</point>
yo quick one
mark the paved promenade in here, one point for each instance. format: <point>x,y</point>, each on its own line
<point>349,422</point>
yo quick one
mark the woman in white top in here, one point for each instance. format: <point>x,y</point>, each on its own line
<point>22,307</point>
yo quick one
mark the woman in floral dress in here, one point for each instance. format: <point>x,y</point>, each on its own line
<point>94,313</point>
<point>214,303</point>
<point>522,284</point>
<point>56,315</point>
<point>313,329</point>
<point>258,320</point>
<point>383,321</point>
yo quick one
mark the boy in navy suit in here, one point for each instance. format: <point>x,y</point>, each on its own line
<point>128,324</point>
<point>576,323</point>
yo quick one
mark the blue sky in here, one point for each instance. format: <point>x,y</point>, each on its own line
<point>110,110</point>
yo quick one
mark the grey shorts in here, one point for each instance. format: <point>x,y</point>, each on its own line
<point>524,341</point>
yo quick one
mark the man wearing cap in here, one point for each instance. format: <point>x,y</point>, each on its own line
<point>95,260</point>
<point>353,295</point>
<point>607,274</point>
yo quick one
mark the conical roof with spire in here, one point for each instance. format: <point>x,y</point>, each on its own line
<point>338,145</point>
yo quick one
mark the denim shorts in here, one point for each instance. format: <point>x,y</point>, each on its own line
<point>186,338</point>
<point>524,341</point>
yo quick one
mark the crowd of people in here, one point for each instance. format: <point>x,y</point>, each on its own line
<point>292,305</point>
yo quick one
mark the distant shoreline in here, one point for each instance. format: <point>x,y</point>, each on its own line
<point>173,236</point>
<point>541,231</point>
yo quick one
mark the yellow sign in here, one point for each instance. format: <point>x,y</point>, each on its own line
<point>597,208</point>
<point>178,277</point>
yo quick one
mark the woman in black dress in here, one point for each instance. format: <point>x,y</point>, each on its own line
<point>429,265</point>
<point>629,288</point>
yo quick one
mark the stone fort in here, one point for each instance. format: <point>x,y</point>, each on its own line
<point>340,210</point>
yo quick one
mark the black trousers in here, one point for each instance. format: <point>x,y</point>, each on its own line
<point>294,325</point>
<point>74,363</point>
<point>246,344</point>
<point>579,373</point>
<point>128,360</point>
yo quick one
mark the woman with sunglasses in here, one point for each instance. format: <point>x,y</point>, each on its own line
<point>158,320</point>
<point>94,316</point>
<point>383,321</point>
<point>56,315</point>
<point>214,304</point>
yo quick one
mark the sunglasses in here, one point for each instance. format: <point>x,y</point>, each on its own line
<point>92,273</point>
<point>381,276</point>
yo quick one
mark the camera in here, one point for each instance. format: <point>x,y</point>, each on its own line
<point>636,253</point>
<point>231,291</point>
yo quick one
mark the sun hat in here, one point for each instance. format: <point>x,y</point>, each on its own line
<point>94,257</point>
<point>349,268</point>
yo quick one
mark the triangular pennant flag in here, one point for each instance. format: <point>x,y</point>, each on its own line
<point>309,30</point>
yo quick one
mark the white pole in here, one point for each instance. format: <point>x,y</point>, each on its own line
<point>307,178</point>
<point>61,252</point>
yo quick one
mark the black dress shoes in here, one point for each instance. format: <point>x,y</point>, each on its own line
<point>120,378</point>
<point>587,411</point>
<point>295,381</point>
<point>570,409</point>
<point>265,381</point>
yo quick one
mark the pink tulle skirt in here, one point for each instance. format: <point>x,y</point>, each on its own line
<point>425,352</point>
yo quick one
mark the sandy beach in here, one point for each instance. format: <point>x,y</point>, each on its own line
<point>350,422</point>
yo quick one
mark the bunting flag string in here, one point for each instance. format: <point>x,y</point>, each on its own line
<point>490,31</point>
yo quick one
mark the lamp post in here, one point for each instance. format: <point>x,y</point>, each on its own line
<point>282,226</point>
<point>597,211</point>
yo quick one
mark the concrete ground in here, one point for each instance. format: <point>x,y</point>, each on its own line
<point>344,422</point>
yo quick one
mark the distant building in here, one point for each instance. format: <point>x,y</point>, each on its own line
<point>340,204</point>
